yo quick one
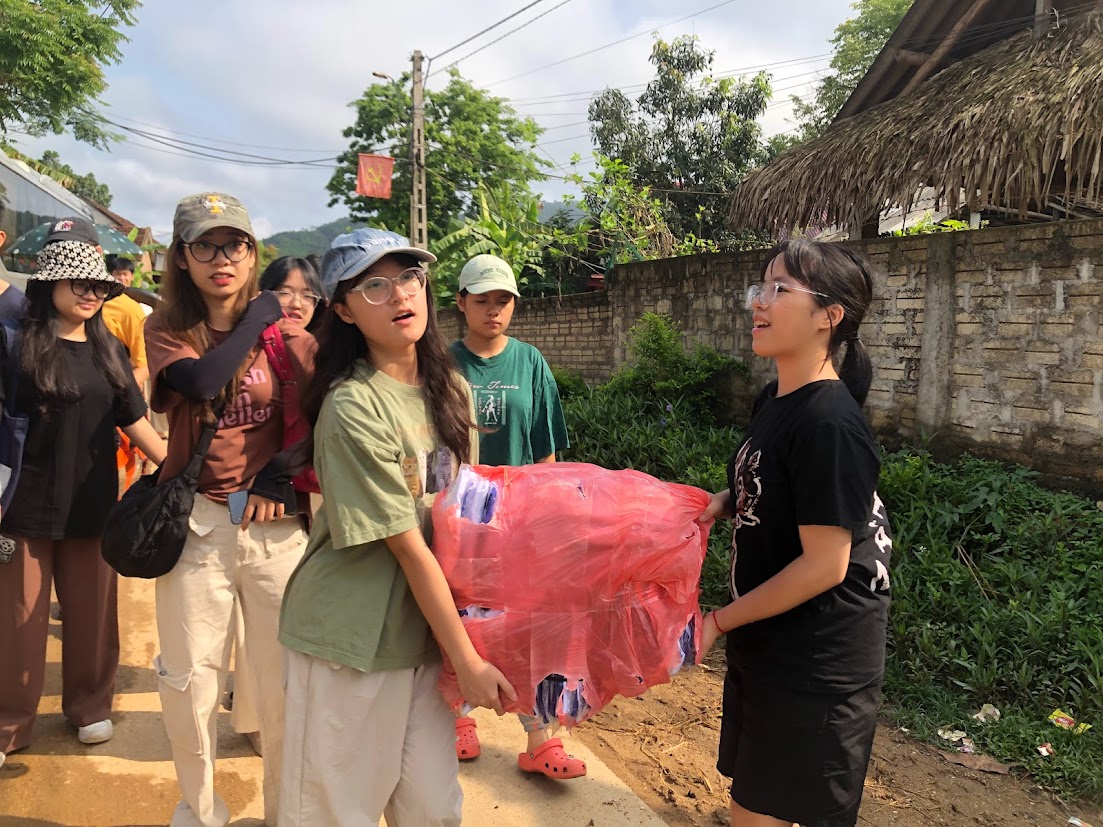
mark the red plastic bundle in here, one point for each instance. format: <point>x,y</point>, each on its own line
<point>581,572</point>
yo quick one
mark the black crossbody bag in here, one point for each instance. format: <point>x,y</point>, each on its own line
<point>147,528</point>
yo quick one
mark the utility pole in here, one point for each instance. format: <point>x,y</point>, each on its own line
<point>419,229</point>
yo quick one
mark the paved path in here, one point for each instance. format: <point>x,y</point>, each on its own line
<point>129,781</point>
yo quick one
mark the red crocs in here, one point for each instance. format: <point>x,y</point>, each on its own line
<point>552,760</point>
<point>467,740</point>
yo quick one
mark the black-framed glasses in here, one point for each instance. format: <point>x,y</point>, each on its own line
<point>204,251</point>
<point>766,293</point>
<point>288,296</point>
<point>82,287</point>
<point>378,289</point>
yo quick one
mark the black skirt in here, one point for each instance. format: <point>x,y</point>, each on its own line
<point>797,756</point>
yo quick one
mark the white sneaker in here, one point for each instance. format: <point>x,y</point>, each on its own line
<point>1,759</point>
<point>96,733</point>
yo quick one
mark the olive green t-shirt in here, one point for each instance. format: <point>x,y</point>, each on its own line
<point>380,467</point>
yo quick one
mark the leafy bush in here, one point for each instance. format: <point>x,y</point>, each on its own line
<point>570,383</point>
<point>661,369</point>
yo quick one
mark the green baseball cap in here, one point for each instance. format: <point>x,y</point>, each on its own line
<point>485,273</point>
<point>206,210</point>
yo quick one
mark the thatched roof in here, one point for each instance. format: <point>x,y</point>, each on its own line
<point>1015,123</point>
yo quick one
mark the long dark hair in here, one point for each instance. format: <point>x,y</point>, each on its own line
<point>846,279</point>
<point>42,361</point>
<point>341,345</point>
<point>276,273</point>
<point>183,313</point>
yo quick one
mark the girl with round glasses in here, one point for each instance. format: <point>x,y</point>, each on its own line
<point>295,282</point>
<point>368,611</point>
<point>62,369</point>
<point>810,553</point>
<point>208,366</point>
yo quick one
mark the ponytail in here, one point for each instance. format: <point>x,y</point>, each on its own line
<point>856,371</point>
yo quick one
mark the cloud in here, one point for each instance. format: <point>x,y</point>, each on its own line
<point>276,79</point>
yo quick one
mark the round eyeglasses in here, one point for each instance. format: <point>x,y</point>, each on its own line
<point>378,290</point>
<point>99,289</point>
<point>766,293</point>
<point>288,296</point>
<point>204,251</point>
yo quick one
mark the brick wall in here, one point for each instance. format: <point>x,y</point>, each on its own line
<point>989,341</point>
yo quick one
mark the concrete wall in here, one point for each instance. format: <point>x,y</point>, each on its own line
<point>990,341</point>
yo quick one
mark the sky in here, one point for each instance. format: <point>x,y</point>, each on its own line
<point>276,79</point>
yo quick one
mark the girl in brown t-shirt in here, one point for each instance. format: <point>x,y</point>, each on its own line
<point>207,365</point>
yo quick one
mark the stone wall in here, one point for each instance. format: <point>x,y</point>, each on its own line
<point>989,341</point>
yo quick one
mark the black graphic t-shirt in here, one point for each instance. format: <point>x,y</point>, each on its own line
<point>809,458</point>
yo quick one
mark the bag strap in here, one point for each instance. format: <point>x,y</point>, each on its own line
<point>12,346</point>
<point>280,363</point>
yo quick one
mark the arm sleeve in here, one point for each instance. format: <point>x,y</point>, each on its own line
<point>177,368</point>
<point>359,463</point>
<point>834,468</point>
<point>549,428</point>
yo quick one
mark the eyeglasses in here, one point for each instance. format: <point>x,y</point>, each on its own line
<point>766,293</point>
<point>287,296</point>
<point>377,289</point>
<point>82,287</point>
<point>204,251</point>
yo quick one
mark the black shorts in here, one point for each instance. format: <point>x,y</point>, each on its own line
<point>797,756</point>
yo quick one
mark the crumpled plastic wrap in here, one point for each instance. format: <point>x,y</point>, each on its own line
<point>577,582</point>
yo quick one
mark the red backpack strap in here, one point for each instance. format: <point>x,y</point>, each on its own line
<point>276,351</point>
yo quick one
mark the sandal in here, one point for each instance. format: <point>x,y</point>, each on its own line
<point>552,760</point>
<point>467,740</point>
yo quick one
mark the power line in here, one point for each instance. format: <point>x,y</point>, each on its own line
<point>614,43</point>
<point>503,37</point>
<point>484,31</point>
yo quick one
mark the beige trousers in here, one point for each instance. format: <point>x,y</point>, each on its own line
<point>244,717</point>
<point>360,745</point>
<point>222,566</point>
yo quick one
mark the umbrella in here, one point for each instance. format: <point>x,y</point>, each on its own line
<point>112,241</point>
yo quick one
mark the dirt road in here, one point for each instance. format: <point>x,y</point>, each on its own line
<point>129,780</point>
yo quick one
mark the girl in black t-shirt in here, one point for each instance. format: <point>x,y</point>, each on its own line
<point>73,382</point>
<point>810,554</point>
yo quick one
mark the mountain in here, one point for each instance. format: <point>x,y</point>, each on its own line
<point>314,240</point>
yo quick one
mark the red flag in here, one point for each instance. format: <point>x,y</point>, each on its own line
<point>373,178</point>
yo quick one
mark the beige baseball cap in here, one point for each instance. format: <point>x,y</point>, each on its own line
<point>485,273</point>
<point>206,210</point>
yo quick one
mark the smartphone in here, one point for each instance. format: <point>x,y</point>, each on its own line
<point>236,502</point>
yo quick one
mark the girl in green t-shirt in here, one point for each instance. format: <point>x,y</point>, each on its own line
<point>368,733</point>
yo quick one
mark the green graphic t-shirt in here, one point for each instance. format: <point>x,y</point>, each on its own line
<point>515,396</point>
<point>380,468</point>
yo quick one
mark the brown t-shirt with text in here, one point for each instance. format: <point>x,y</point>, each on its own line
<point>250,432</point>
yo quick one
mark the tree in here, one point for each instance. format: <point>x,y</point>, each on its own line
<point>507,226</point>
<point>623,221</point>
<point>473,138</point>
<point>84,185</point>
<point>688,131</point>
<point>856,43</point>
<point>52,54</point>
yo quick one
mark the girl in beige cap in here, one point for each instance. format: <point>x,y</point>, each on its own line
<point>206,364</point>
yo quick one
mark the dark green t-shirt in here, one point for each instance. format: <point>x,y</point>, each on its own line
<point>515,396</point>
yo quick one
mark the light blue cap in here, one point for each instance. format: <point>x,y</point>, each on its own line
<point>352,253</point>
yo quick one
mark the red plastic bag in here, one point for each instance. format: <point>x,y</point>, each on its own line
<point>581,572</point>
<point>295,426</point>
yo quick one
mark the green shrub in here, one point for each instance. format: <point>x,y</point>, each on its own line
<point>659,368</point>
<point>570,383</point>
